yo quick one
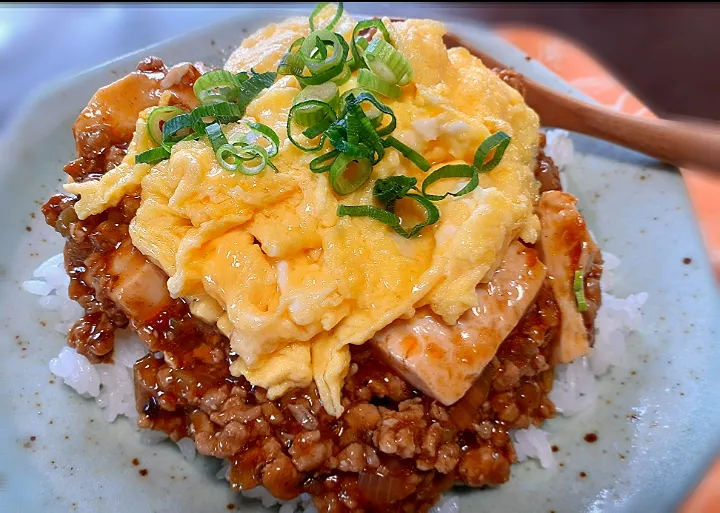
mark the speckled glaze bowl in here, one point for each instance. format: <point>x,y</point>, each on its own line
<point>657,423</point>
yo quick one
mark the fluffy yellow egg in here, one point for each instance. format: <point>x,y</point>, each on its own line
<point>267,258</point>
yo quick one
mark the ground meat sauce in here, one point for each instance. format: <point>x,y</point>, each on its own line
<point>393,449</point>
<point>546,172</point>
<point>86,243</point>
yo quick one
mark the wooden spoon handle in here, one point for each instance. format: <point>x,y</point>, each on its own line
<point>691,145</point>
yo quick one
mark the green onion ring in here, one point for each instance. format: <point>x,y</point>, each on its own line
<point>216,86</point>
<point>152,156</point>
<point>368,97</point>
<point>389,190</point>
<point>353,125</point>
<point>318,10</point>
<point>293,112</point>
<point>222,112</point>
<point>341,183</point>
<point>329,74</point>
<point>312,115</point>
<point>344,76</point>
<point>240,156</point>
<point>579,289</point>
<point>358,61</point>
<point>365,132</point>
<point>215,135</point>
<point>339,140</point>
<point>370,80</point>
<point>251,87</point>
<point>268,133</point>
<point>407,152</point>
<point>157,118</point>
<point>498,141</point>
<point>292,63</point>
<point>317,40</point>
<point>174,129</point>
<point>313,131</point>
<point>452,171</point>
<point>318,164</point>
<point>390,218</point>
<point>387,63</point>
<point>372,113</point>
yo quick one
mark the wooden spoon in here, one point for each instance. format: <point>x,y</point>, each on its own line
<point>693,145</point>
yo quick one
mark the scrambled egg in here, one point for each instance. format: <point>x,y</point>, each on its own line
<point>266,257</point>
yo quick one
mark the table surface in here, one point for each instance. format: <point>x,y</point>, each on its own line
<point>42,44</point>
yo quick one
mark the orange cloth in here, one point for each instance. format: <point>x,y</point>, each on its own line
<point>586,74</point>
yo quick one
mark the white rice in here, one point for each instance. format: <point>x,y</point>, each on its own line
<point>574,390</point>
<point>575,387</point>
<point>111,385</point>
<point>533,443</point>
<point>51,285</point>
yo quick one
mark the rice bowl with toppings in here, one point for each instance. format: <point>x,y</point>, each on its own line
<point>375,425</point>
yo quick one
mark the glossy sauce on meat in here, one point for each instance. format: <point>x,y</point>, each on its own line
<point>393,449</point>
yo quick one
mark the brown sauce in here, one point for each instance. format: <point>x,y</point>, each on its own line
<point>393,449</point>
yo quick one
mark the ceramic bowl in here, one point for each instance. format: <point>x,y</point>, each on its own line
<point>658,419</point>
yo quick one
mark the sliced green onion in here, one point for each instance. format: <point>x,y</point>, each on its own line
<point>311,115</point>
<point>347,174</point>
<point>392,220</point>
<point>379,214</point>
<point>318,164</point>
<point>269,134</point>
<point>157,118</point>
<point>330,73</point>
<point>251,87</point>
<point>215,136</point>
<point>431,211</point>
<point>241,77</point>
<point>216,86</point>
<point>352,125</point>
<point>358,61</point>
<point>320,61</point>
<point>498,141</point>
<point>338,138</point>
<point>318,10</point>
<point>368,97</point>
<point>452,171</point>
<point>233,158</point>
<point>373,113</point>
<point>306,80</point>
<point>387,63</point>
<point>579,288</point>
<point>312,51</point>
<point>344,76</point>
<point>292,63</point>
<point>152,156</point>
<point>393,188</point>
<point>365,132</point>
<point>222,112</point>
<point>293,112</point>
<point>369,80</point>
<point>407,152</point>
<point>177,128</point>
<point>362,42</point>
<point>315,130</point>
